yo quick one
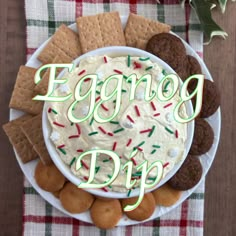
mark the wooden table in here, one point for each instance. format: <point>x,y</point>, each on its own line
<point>220,57</point>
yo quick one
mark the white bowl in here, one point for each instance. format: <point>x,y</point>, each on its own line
<point>65,170</point>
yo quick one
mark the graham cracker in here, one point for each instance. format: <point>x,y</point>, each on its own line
<point>18,140</point>
<point>24,92</point>
<point>139,27</point>
<point>32,129</point>
<point>42,86</point>
<point>64,40</point>
<point>100,31</point>
<point>141,44</point>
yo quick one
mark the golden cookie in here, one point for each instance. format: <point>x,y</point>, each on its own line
<point>106,214</point>
<point>166,195</point>
<point>143,211</point>
<point>49,178</point>
<point>74,199</point>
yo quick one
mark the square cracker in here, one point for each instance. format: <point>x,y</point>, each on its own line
<point>19,141</point>
<point>139,27</point>
<point>24,92</point>
<point>32,129</point>
<point>42,86</point>
<point>64,40</point>
<point>141,44</point>
<point>100,31</point>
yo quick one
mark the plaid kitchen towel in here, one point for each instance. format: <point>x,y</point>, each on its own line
<point>43,17</point>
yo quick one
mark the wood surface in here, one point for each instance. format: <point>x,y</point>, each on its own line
<point>220,57</point>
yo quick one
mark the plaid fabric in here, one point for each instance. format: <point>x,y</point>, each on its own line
<point>43,17</point>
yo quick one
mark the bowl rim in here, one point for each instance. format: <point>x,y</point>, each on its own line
<point>66,171</point>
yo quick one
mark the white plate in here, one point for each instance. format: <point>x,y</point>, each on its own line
<point>206,159</point>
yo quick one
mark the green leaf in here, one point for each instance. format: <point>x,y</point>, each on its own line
<point>209,27</point>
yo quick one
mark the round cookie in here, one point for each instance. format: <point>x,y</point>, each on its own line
<point>188,175</point>
<point>203,137</point>
<point>144,210</point>
<point>74,199</point>
<point>210,98</point>
<point>48,177</point>
<point>169,48</point>
<point>191,67</point>
<point>166,195</point>
<point>106,214</point>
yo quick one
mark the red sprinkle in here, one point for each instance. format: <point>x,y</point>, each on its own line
<point>176,133</point>
<point>110,134</point>
<point>129,142</point>
<point>137,110</point>
<point>157,114</point>
<point>167,105</point>
<point>118,72</point>
<point>60,125</point>
<point>86,80</point>
<point>114,146</point>
<point>61,146</point>
<point>135,163</point>
<point>130,118</point>
<point>98,98</point>
<point>153,106</point>
<point>103,130</point>
<point>86,178</point>
<point>80,150</point>
<point>137,65</point>
<point>105,59</point>
<point>73,136</point>
<point>84,164</point>
<point>104,108</point>
<point>145,131</point>
<point>78,129</point>
<point>82,72</point>
<point>104,189</point>
<point>140,149</point>
<point>49,110</point>
<point>166,164</point>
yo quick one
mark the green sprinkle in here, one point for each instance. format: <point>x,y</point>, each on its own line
<point>125,77</point>
<point>97,168</point>
<point>152,178</point>
<point>164,72</point>
<point>109,186</point>
<point>129,81</point>
<point>156,146</point>
<point>170,131</point>
<point>166,85</point>
<point>151,132</point>
<point>118,130</point>
<point>109,176</point>
<point>144,59</point>
<point>153,151</point>
<point>124,91</point>
<point>149,68</point>
<point>97,92</point>
<point>144,80</point>
<point>100,83</point>
<point>91,121</point>
<point>93,133</point>
<point>128,194</point>
<point>128,62</point>
<point>138,172</point>
<point>114,122</point>
<point>54,111</point>
<point>62,151</point>
<point>141,144</point>
<point>71,123</point>
<point>72,162</point>
<point>165,90</point>
<point>114,101</point>
<point>105,160</point>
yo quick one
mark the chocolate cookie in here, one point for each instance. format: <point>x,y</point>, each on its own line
<point>190,67</point>
<point>210,98</point>
<point>188,175</point>
<point>48,177</point>
<point>169,48</point>
<point>144,210</point>
<point>166,195</point>
<point>106,214</point>
<point>74,199</point>
<point>203,137</point>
